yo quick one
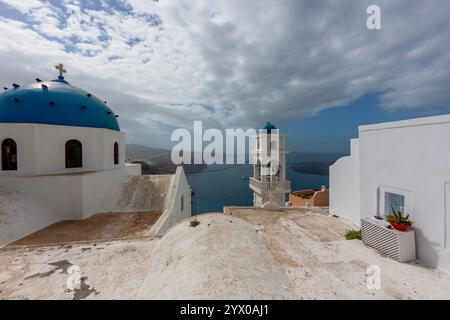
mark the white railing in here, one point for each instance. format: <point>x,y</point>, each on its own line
<point>274,185</point>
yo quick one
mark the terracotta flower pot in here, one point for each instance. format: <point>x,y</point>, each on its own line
<point>400,227</point>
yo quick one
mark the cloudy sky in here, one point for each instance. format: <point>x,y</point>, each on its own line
<point>312,67</point>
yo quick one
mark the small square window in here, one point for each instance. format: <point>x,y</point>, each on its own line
<point>393,202</point>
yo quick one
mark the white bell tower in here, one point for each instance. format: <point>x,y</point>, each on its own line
<point>269,183</point>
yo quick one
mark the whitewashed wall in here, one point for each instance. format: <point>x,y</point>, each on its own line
<point>21,213</point>
<point>344,186</point>
<point>101,190</point>
<point>55,198</point>
<point>179,188</point>
<point>41,148</point>
<point>412,158</point>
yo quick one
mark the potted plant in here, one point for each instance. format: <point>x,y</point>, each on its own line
<point>399,221</point>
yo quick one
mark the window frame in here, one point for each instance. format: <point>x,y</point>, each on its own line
<point>14,154</point>
<point>383,193</point>
<point>67,163</point>
<point>116,157</point>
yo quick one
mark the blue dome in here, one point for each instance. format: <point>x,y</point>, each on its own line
<point>269,127</point>
<point>55,102</point>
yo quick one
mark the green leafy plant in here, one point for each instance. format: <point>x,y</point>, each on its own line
<point>353,234</point>
<point>399,217</point>
<point>195,223</point>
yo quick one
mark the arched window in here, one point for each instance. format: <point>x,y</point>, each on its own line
<point>9,154</point>
<point>116,153</point>
<point>74,154</point>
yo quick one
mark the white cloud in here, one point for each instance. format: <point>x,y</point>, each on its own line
<point>249,60</point>
<point>24,6</point>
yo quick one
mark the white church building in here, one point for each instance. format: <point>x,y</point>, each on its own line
<point>63,157</point>
<point>403,165</point>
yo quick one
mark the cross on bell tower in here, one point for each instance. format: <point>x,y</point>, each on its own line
<point>60,68</point>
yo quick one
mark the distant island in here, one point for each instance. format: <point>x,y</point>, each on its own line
<point>313,167</point>
<point>156,160</point>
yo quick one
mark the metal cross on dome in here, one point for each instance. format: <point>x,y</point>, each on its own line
<point>60,68</point>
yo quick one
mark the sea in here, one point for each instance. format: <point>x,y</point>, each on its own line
<point>228,185</point>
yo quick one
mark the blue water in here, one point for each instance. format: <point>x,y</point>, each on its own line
<point>214,189</point>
